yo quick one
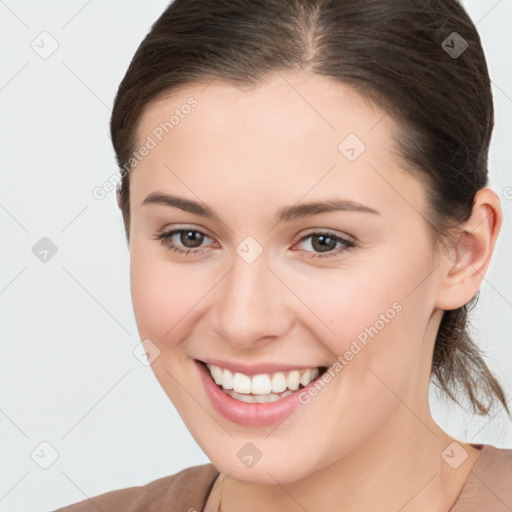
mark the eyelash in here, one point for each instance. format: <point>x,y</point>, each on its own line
<point>165,238</point>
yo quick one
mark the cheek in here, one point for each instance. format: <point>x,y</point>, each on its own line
<point>163,294</point>
<point>375,313</point>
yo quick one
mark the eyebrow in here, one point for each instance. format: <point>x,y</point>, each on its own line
<point>285,214</point>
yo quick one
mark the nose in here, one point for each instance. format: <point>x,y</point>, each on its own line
<point>252,305</point>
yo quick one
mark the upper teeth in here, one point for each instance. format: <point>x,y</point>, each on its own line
<point>262,383</point>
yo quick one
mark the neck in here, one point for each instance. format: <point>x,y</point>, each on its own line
<point>388,472</point>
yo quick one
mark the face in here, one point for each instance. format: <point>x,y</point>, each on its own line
<point>351,288</point>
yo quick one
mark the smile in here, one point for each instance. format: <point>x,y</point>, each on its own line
<point>248,396</point>
<point>263,387</point>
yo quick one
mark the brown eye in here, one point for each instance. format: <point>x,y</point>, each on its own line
<point>324,244</point>
<point>187,241</point>
<point>193,237</point>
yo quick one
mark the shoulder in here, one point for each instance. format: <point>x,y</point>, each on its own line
<point>489,486</point>
<point>187,488</point>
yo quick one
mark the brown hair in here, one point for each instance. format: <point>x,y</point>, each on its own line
<point>397,54</point>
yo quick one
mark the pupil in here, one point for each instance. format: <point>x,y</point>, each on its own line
<point>194,236</point>
<point>322,246</point>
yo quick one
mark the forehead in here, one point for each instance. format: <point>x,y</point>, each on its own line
<point>294,133</point>
<point>320,103</point>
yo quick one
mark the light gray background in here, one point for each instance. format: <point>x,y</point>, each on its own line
<point>68,374</point>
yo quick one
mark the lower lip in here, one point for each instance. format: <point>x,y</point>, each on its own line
<point>249,415</point>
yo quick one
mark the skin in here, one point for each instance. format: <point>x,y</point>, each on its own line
<point>367,441</point>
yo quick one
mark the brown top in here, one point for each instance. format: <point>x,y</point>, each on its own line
<point>487,489</point>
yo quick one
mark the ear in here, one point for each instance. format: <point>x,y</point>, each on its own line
<point>464,266</point>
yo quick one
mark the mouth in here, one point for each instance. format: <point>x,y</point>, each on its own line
<point>262,388</point>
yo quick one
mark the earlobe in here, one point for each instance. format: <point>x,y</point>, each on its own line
<point>466,264</point>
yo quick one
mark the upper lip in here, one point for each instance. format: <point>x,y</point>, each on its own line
<point>256,369</point>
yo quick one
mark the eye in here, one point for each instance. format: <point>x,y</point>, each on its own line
<point>325,242</point>
<point>190,238</point>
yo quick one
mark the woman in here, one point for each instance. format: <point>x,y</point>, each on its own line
<point>304,192</point>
